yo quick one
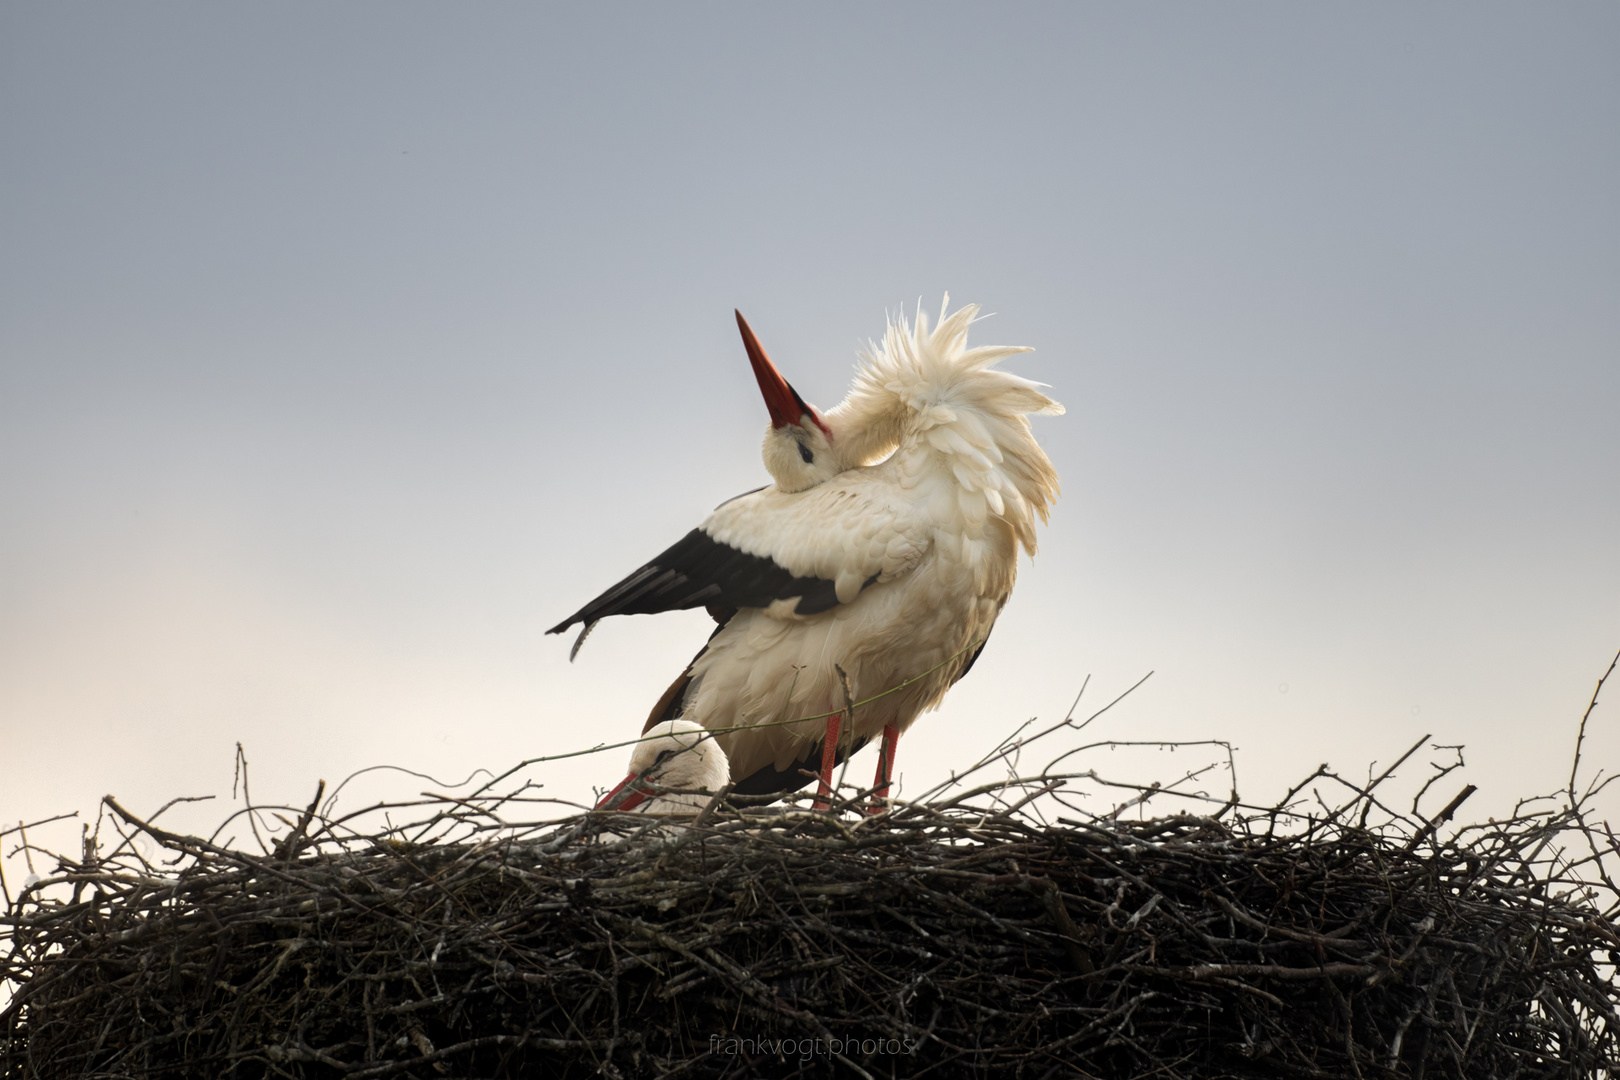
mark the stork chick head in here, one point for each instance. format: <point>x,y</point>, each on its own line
<point>676,754</point>
<point>800,449</point>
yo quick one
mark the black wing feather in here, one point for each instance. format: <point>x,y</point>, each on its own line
<point>698,571</point>
<point>770,780</point>
<point>974,659</point>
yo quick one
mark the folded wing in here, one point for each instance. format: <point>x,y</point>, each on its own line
<point>697,571</point>
<point>819,547</point>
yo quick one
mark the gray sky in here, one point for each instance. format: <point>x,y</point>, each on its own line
<point>345,348</point>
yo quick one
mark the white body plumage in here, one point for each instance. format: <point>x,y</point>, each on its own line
<point>935,527</point>
<point>887,548</point>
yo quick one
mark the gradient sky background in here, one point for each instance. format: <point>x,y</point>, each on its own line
<point>345,348</point>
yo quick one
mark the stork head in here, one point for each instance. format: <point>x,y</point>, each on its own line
<point>800,450</point>
<point>675,754</point>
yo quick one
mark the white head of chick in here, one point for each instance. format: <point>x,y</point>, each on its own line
<point>670,767</point>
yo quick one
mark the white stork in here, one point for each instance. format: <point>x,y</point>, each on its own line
<point>886,547</point>
<point>678,755</point>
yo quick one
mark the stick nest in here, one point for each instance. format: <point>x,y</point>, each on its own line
<point>1001,930</point>
<point>969,936</point>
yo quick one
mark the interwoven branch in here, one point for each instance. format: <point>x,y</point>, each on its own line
<point>976,940</point>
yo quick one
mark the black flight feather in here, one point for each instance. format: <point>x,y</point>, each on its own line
<point>699,571</point>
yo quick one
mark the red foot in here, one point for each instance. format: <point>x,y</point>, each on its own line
<point>829,756</point>
<point>885,769</point>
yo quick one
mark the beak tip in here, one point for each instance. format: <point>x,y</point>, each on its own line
<point>784,403</point>
<point>628,801</point>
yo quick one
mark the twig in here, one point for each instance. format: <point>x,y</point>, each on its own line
<point>1580,732</point>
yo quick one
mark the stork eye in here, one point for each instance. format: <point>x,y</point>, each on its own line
<point>805,454</point>
<point>663,756</point>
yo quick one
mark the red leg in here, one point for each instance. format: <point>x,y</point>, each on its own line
<point>829,757</point>
<point>885,769</point>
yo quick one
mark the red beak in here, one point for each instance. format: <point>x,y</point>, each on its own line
<point>631,800</point>
<point>786,406</point>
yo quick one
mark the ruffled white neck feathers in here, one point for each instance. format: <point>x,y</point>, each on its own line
<point>942,408</point>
